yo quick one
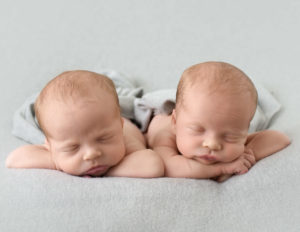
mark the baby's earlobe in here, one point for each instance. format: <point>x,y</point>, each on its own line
<point>47,145</point>
<point>173,120</point>
<point>122,121</point>
<point>173,117</point>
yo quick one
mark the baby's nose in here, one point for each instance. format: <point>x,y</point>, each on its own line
<point>212,144</point>
<point>91,154</point>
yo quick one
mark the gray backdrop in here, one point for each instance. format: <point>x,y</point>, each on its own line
<point>152,42</point>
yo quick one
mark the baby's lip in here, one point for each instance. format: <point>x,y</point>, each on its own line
<point>97,170</point>
<point>208,157</point>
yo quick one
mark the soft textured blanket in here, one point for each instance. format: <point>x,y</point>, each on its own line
<point>153,41</point>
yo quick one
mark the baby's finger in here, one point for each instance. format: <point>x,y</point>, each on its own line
<point>241,171</point>
<point>251,158</point>
<point>249,151</point>
<point>247,163</point>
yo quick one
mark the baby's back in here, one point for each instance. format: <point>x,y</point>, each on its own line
<point>160,132</point>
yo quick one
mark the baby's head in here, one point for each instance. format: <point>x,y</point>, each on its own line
<point>219,78</point>
<point>69,87</point>
<point>79,113</point>
<point>215,103</point>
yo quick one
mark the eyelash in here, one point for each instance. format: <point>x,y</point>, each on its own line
<point>103,139</point>
<point>72,148</point>
<point>231,139</point>
<point>198,131</point>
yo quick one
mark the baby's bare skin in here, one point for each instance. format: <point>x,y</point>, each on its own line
<point>85,133</point>
<point>206,136</point>
<point>161,138</point>
<point>138,161</point>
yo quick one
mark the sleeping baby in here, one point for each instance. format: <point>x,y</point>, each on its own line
<point>79,113</point>
<point>206,136</point>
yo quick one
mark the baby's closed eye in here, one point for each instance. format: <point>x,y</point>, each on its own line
<point>196,129</point>
<point>230,138</point>
<point>70,148</point>
<point>105,138</point>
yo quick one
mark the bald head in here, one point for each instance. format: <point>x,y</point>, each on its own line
<point>215,77</point>
<point>71,86</point>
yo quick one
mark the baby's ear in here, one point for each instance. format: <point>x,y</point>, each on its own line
<point>47,145</point>
<point>122,121</point>
<point>173,118</point>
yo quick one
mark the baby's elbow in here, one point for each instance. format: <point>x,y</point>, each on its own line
<point>15,158</point>
<point>280,140</point>
<point>156,165</point>
<point>287,140</point>
<point>284,139</point>
<point>159,169</point>
<point>10,161</point>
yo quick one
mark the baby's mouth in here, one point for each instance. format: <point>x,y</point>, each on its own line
<point>207,157</point>
<point>97,170</point>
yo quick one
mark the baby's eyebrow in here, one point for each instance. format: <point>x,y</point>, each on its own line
<point>104,132</point>
<point>235,133</point>
<point>68,144</point>
<point>195,125</point>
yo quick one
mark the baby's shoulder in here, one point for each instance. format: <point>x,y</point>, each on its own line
<point>160,131</point>
<point>160,123</point>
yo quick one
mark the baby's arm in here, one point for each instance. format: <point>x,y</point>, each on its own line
<point>161,138</point>
<point>179,166</point>
<point>265,143</point>
<point>139,161</point>
<point>30,156</point>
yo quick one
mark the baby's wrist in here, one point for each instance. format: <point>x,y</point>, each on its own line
<point>225,169</point>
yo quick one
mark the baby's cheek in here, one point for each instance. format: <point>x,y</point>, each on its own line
<point>71,166</point>
<point>233,151</point>
<point>186,146</point>
<point>117,153</point>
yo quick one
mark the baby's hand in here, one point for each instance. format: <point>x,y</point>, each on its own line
<point>249,155</point>
<point>242,164</point>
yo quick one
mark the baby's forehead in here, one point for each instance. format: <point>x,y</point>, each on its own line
<point>225,79</point>
<point>218,92</point>
<point>76,102</point>
<point>55,106</point>
<point>77,84</point>
<point>80,84</point>
<point>73,100</point>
